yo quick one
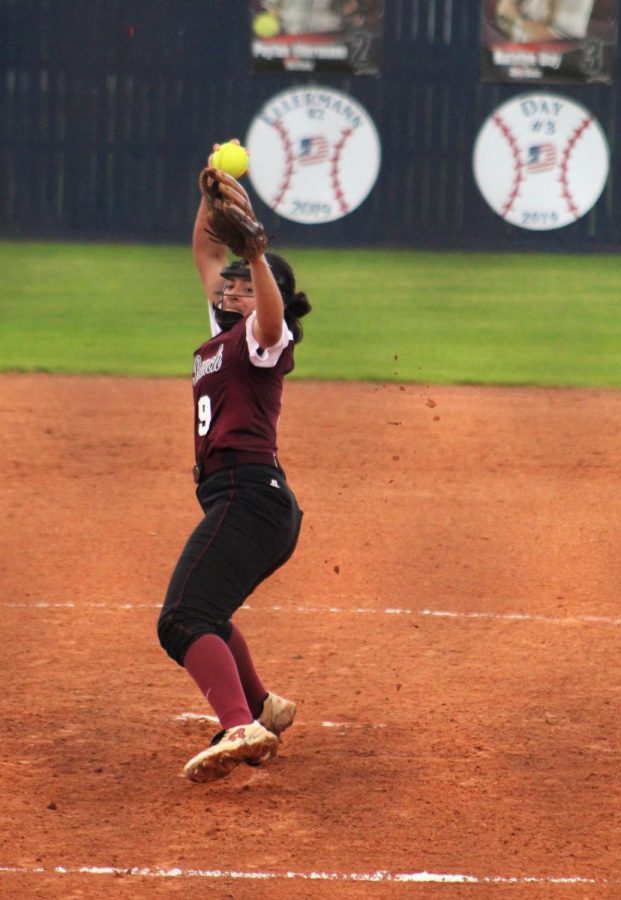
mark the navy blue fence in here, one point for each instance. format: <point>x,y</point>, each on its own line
<point>108,109</point>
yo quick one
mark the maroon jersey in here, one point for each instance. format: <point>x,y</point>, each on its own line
<point>237,402</point>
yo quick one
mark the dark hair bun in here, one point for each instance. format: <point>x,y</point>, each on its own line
<point>296,307</point>
<point>283,274</point>
<point>296,302</point>
<point>299,305</point>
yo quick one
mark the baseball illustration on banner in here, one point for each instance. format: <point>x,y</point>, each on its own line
<point>315,154</point>
<point>541,161</point>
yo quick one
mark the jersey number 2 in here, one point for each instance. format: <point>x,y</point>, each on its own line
<point>204,415</point>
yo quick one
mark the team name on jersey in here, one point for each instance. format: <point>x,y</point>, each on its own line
<point>207,366</point>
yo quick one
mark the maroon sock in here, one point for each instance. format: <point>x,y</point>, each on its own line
<point>251,683</point>
<point>212,666</point>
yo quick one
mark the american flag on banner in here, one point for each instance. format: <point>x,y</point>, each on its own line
<point>541,157</point>
<point>313,150</point>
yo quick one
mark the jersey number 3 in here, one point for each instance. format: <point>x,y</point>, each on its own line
<point>204,415</point>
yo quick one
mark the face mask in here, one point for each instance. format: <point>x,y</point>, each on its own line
<point>226,318</point>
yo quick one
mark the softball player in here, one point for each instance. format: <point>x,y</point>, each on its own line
<point>540,20</point>
<point>251,517</point>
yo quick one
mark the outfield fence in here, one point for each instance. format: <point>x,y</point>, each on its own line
<point>108,111</point>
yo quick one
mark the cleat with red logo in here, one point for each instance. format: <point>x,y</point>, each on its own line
<point>244,743</point>
<point>277,714</point>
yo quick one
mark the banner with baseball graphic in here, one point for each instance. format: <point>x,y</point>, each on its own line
<point>317,36</point>
<point>541,161</point>
<point>315,154</point>
<point>548,41</point>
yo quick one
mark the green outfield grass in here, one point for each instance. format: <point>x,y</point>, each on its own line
<point>379,315</point>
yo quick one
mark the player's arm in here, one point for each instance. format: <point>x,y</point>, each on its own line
<point>233,222</point>
<point>270,311</point>
<point>209,256</point>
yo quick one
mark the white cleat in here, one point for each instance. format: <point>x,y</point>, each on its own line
<point>252,743</point>
<point>278,714</point>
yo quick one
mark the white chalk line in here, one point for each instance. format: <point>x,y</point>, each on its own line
<point>336,610</point>
<point>422,877</point>
<point>379,876</point>
<point>203,717</point>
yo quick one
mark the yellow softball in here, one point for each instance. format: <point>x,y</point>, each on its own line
<point>231,158</point>
<point>266,25</point>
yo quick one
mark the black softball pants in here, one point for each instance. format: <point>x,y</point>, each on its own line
<point>250,528</point>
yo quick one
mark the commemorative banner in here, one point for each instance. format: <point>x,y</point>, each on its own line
<point>315,154</point>
<point>548,41</point>
<point>336,36</point>
<point>541,161</point>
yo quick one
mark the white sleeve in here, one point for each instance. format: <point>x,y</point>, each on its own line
<point>267,358</point>
<point>215,328</point>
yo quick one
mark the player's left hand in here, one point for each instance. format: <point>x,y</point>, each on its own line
<point>230,216</point>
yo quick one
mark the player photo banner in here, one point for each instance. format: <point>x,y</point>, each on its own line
<point>343,36</point>
<point>548,41</point>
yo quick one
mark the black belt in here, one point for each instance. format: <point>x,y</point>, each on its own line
<point>225,459</point>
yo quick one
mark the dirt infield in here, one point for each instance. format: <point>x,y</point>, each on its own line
<point>450,627</point>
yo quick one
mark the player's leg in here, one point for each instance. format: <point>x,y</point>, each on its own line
<point>194,625</point>
<point>248,531</point>
<point>245,535</point>
<point>274,712</point>
<point>254,691</point>
<point>211,664</point>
